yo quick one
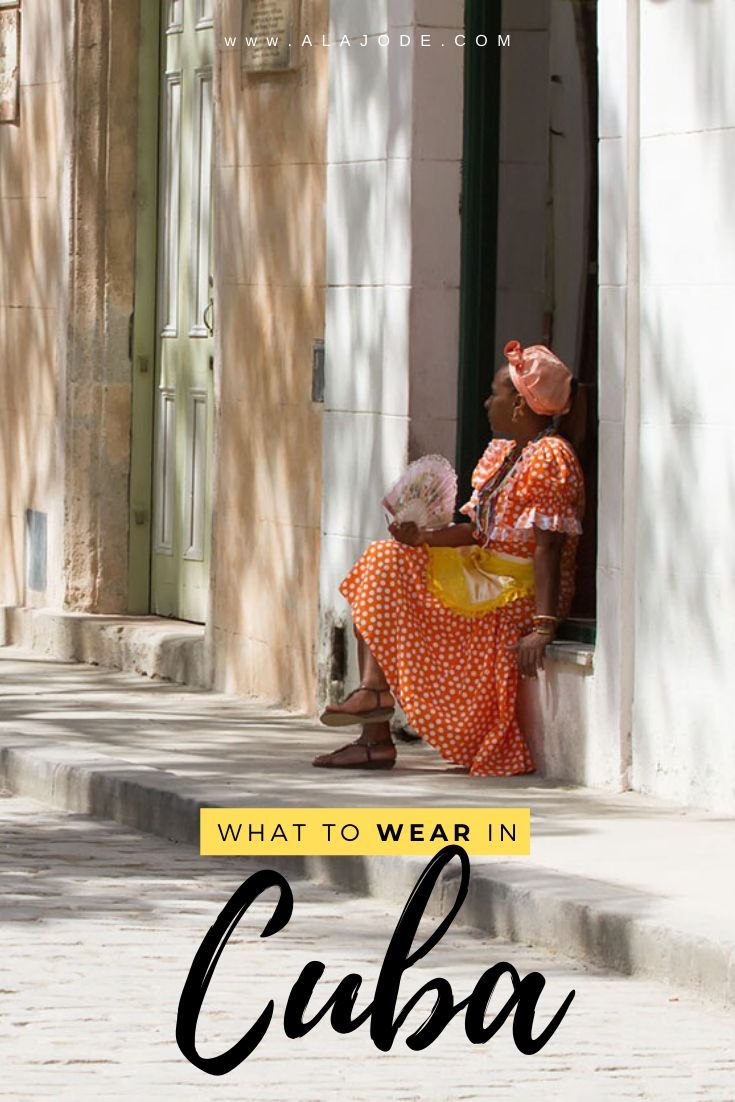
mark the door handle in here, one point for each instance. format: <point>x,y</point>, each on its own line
<point>208,315</point>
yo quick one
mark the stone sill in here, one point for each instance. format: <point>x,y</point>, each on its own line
<point>572,653</point>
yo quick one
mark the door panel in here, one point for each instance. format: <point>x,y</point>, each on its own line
<point>201,203</point>
<point>196,472</point>
<point>165,471</point>
<point>171,176</point>
<point>182,478</point>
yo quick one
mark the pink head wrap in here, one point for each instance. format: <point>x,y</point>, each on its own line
<point>540,377</point>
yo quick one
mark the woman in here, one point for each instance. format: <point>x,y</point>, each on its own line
<point>447,620</point>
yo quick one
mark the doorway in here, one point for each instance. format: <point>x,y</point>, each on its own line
<point>184,323</point>
<point>529,223</point>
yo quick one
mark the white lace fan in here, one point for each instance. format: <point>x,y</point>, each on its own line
<point>426,493</point>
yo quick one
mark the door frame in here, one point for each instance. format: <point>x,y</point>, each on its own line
<point>143,320</point>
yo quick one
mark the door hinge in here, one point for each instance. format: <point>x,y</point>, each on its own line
<point>131,326</point>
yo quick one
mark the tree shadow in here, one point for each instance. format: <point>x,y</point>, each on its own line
<point>31,281</point>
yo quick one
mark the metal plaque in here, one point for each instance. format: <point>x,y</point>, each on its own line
<point>269,29</point>
<point>9,65</point>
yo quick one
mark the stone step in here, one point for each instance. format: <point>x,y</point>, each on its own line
<point>153,646</point>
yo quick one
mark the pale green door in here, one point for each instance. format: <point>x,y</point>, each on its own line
<point>184,356</point>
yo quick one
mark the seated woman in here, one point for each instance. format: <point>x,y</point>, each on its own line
<point>447,620</point>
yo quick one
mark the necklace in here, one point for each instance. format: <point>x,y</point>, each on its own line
<point>489,492</point>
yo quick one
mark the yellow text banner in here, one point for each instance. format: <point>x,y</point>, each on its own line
<point>364,831</point>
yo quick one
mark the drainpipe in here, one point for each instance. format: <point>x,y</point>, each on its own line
<point>631,414</point>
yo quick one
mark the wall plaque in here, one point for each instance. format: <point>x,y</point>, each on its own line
<point>269,30</point>
<point>9,64</point>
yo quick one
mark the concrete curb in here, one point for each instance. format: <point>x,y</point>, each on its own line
<point>587,920</point>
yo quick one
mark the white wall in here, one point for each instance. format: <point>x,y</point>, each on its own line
<point>683,745</point>
<point>391,340</point>
<point>666,589</point>
<point>606,739</point>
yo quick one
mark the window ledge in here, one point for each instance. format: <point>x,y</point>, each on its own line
<point>572,652</point>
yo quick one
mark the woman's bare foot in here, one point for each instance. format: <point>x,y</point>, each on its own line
<point>364,753</point>
<point>362,700</point>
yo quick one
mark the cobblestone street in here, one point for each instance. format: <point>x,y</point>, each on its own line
<point>99,926</point>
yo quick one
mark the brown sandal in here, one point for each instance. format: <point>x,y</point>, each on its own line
<point>370,762</point>
<point>349,719</point>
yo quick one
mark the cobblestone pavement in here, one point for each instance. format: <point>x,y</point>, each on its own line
<point>99,926</point>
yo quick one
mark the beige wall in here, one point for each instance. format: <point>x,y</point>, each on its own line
<point>30,289</point>
<point>67,211</point>
<point>67,204</point>
<point>269,294</point>
<point>95,375</point>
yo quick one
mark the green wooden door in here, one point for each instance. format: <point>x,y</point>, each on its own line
<point>184,355</point>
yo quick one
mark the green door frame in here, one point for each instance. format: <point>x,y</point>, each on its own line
<point>479,231</point>
<point>143,330</point>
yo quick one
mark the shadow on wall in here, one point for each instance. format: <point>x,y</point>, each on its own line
<point>684,582</point>
<point>270,172</point>
<point>30,282</point>
<point>682,723</point>
<point>272,277</point>
<point>370,266</point>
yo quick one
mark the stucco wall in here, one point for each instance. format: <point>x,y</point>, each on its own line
<point>665,583</point>
<point>393,237</point>
<point>67,210</point>
<point>31,283</point>
<point>269,301</point>
<point>683,744</point>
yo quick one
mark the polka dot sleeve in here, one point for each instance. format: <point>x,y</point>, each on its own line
<point>551,489</point>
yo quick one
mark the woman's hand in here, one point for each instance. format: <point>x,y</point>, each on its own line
<point>530,651</point>
<point>454,535</point>
<point>407,532</point>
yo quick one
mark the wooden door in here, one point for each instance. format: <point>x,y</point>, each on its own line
<point>184,401</point>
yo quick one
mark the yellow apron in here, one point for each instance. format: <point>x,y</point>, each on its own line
<point>473,581</point>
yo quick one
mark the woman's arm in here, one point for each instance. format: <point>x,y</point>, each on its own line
<point>454,535</point>
<point>547,571</point>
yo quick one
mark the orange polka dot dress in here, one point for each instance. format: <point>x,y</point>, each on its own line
<point>455,675</point>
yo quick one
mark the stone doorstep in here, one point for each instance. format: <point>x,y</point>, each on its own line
<point>585,919</point>
<point>152,646</point>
